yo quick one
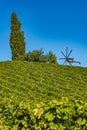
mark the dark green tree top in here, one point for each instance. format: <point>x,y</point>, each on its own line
<point>51,58</point>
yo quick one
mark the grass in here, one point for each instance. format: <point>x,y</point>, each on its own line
<point>24,80</point>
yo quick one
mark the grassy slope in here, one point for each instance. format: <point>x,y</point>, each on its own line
<point>39,81</point>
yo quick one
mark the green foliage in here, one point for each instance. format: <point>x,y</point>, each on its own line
<point>17,43</point>
<point>34,56</point>
<point>51,58</point>
<point>39,56</point>
<point>23,84</point>
<point>40,81</point>
<point>52,115</point>
<point>61,115</point>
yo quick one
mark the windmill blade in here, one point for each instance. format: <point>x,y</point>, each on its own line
<point>77,62</point>
<point>64,62</point>
<point>63,54</point>
<point>62,58</point>
<point>66,51</point>
<point>69,53</point>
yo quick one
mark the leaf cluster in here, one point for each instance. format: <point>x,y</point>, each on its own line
<point>52,115</point>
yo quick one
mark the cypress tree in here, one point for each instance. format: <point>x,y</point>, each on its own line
<point>17,43</point>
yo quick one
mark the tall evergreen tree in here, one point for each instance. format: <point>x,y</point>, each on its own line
<point>17,43</point>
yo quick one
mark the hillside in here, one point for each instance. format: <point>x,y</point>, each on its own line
<point>23,80</point>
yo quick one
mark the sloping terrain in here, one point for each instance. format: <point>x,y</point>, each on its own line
<point>22,80</point>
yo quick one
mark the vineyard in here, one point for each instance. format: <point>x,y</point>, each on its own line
<point>40,81</point>
<point>25,84</point>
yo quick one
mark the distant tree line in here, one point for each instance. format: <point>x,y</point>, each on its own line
<point>17,45</point>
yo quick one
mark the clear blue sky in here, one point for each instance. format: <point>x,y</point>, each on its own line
<point>48,24</point>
